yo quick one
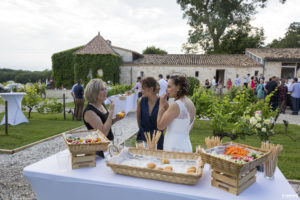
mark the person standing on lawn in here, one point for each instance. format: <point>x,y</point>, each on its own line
<point>79,100</point>
<point>282,96</point>
<point>260,90</point>
<point>295,95</point>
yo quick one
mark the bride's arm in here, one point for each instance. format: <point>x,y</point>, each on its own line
<point>166,116</point>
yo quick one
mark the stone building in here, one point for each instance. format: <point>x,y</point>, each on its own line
<point>284,63</point>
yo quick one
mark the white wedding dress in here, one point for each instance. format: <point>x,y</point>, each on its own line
<point>177,137</point>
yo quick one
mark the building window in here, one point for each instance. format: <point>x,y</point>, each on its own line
<point>256,73</point>
<point>197,74</point>
<point>141,74</point>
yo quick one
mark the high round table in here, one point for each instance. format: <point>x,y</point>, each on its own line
<point>15,114</point>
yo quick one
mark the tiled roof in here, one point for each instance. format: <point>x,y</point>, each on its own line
<point>96,46</point>
<point>276,53</point>
<point>194,59</point>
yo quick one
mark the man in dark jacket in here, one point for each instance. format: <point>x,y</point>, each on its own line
<point>79,100</point>
<point>271,87</point>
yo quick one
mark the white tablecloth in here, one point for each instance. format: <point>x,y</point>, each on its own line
<point>101,182</point>
<point>127,105</point>
<point>15,114</point>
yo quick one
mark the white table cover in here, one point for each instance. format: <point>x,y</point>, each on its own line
<point>127,105</point>
<point>101,182</point>
<point>15,114</point>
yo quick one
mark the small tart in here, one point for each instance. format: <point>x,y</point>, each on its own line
<point>151,165</point>
<point>165,161</point>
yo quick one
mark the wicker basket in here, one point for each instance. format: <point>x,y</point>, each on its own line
<point>231,167</point>
<point>86,148</point>
<point>181,178</point>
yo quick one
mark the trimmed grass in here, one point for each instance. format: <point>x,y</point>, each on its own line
<point>289,158</point>
<point>40,126</point>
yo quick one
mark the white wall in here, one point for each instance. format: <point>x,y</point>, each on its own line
<point>205,72</point>
<point>126,55</point>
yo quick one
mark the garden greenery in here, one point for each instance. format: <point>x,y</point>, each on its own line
<point>231,113</point>
<point>68,67</point>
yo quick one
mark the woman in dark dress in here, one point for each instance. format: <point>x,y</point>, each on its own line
<point>147,110</point>
<point>95,115</point>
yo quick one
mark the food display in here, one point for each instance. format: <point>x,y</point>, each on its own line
<point>91,138</point>
<point>86,141</point>
<point>234,165</point>
<point>235,153</point>
<point>175,167</point>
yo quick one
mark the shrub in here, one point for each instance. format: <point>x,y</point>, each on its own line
<point>194,83</point>
<point>31,99</point>
<point>118,89</point>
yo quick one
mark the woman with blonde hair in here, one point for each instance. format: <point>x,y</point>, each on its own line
<point>147,110</point>
<point>95,115</point>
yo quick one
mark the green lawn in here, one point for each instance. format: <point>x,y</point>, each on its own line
<point>40,126</point>
<point>289,159</point>
<point>1,101</point>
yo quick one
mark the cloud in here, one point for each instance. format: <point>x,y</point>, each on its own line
<point>32,30</point>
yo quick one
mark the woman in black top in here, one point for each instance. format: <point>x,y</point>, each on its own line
<point>95,115</point>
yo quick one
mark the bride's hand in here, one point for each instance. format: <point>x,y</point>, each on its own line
<point>163,102</point>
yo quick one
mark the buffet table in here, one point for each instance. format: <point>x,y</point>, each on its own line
<point>128,104</point>
<point>15,114</point>
<point>100,182</point>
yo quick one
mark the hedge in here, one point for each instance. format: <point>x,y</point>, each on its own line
<point>63,68</point>
<point>110,64</point>
<point>68,67</point>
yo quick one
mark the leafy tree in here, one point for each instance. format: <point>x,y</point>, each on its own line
<point>211,19</point>
<point>291,39</point>
<point>154,50</point>
<point>236,41</point>
<point>31,99</point>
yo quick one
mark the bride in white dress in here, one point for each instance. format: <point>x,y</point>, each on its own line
<point>178,117</point>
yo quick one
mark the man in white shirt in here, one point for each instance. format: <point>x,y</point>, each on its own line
<point>237,81</point>
<point>246,81</point>
<point>214,83</point>
<point>163,85</point>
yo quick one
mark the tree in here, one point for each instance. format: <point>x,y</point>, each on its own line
<point>210,19</point>
<point>31,99</point>
<point>291,39</point>
<point>154,50</point>
<point>236,41</point>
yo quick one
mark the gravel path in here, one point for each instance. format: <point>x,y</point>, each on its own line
<point>13,185</point>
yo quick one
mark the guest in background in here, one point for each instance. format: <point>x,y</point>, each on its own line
<point>207,85</point>
<point>237,82</point>
<point>282,96</point>
<point>220,87</point>
<point>214,84</point>
<point>295,95</point>
<point>95,115</point>
<point>229,84</point>
<point>246,80</point>
<point>162,84</point>
<point>261,77</point>
<point>138,86</point>
<point>79,100</point>
<point>252,83</point>
<point>260,90</point>
<point>167,77</point>
<point>147,110</point>
<point>271,88</point>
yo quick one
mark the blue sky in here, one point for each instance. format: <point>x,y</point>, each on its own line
<point>32,30</point>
